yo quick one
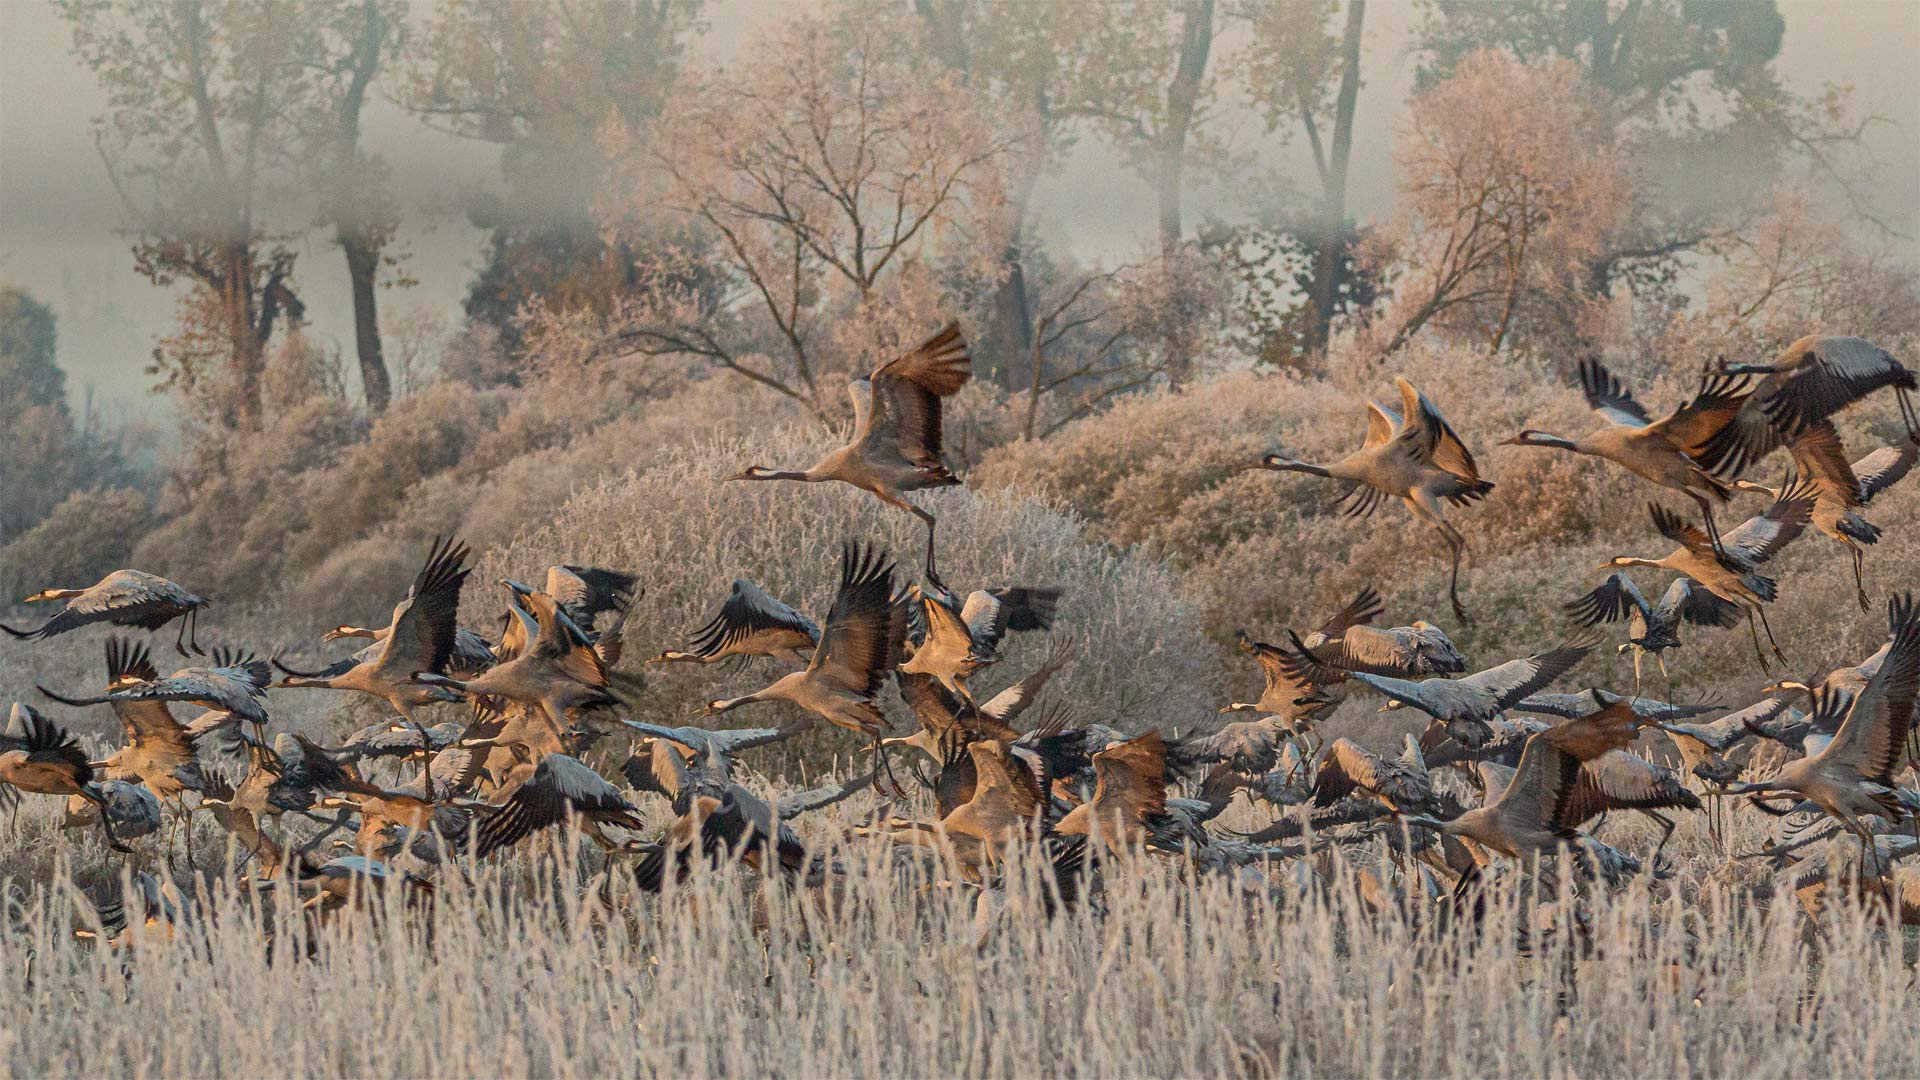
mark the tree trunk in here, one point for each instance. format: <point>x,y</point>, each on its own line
<point>363,264</point>
<point>246,350</point>
<point>1327,263</point>
<point>1183,95</point>
<point>1012,332</point>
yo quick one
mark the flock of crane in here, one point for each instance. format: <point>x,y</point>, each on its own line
<point>1003,772</point>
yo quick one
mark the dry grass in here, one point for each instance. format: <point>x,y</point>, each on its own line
<point>531,969</point>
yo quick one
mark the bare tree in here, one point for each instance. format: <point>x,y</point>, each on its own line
<point>190,162</point>
<point>346,48</point>
<point>1507,181</point>
<point>816,168</point>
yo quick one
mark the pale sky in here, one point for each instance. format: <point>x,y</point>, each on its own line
<point>59,217</point>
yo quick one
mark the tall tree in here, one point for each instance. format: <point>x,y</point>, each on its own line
<point>198,98</point>
<point>1507,176</point>
<point>347,47</point>
<point>1306,78</point>
<point>543,79</point>
<point>819,168</point>
<point>1689,84</point>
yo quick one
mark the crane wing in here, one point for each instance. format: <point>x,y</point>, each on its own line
<point>905,408</point>
<point>1615,599</point>
<point>1382,424</point>
<point>1760,537</point>
<point>1816,377</point>
<point>1886,466</point>
<point>861,640</point>
<point>425,624</point>
<point>1610,398</point>
<point>1872,738</point>
<point>1513,681</point>
<point>1430,439</point>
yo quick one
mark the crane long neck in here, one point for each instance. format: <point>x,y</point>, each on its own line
<point>1283,464</point>
<point>1561,442</point>
<point>805,476</point>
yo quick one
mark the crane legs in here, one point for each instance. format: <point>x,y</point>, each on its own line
<point>1706,511</point>
<point>894,500</point>
<point>1426,507</point>
<point>190,638</point>
<point>1753,629</point>
<point>1859,584</point>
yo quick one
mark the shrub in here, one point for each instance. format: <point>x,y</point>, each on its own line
<point>87,536</point>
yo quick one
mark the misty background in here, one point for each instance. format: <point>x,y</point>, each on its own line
<point>61,223</point>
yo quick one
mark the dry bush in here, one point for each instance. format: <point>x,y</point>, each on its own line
<point>87,536</point>
<point>1140,660</point>
<point>1262,550</point>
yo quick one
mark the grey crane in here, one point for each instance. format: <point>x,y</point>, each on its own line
<point>123,598</point>
<point>1843,488</point>
<point>750,624</point>
<point>1652,630</point>
<point>1464,705</point>
<point>1418,460</point>
<point>1406,652</point>
<point>1671,451</point>
<point>1533,814</point>
<point>40,757</point>
<point>235,685</point>
<point>561,671</point>
<point>1852,777</point>
<point>421,637</point>
<point>955,640</point>
<point>472,652</point>
<point>1730,570</point>
<point>561,787</point>
<point>896,443</point>
<point>857,649</point>
<point>1811,380</point>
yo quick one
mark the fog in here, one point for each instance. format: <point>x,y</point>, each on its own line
<point>60,220</point>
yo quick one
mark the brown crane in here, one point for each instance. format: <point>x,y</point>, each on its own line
<point>1671,451</point>
<point>420,638</point>
<point>1852,777</point>
<point>38,756</point>
<point>857,649</point>
<point>1418,459</point>
<point>751,624</point>
<point>1842,488</point>
<point>896,443</point>
<point>1730,570</point>
<point>123,598</point>
<point>1534,814</point>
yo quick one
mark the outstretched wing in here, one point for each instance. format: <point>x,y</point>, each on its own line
<point>749,610</point>
<point>1721,430</point>
<point>1691,601</point>
<point>1886,466</point>
<point>1760,537</point>
<point>1513,681</point>
<point>861,640</point>
<point>1364,609</point>
<point>1816,377</point>
<point>426,622</point>
<point>1429,438</point>
<point>906,393</point>
<point>1609,397</point>
<point>1346,767</point>
<point>1873,737</point>
<point>1617,598</point>
<point>1382,424</point>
